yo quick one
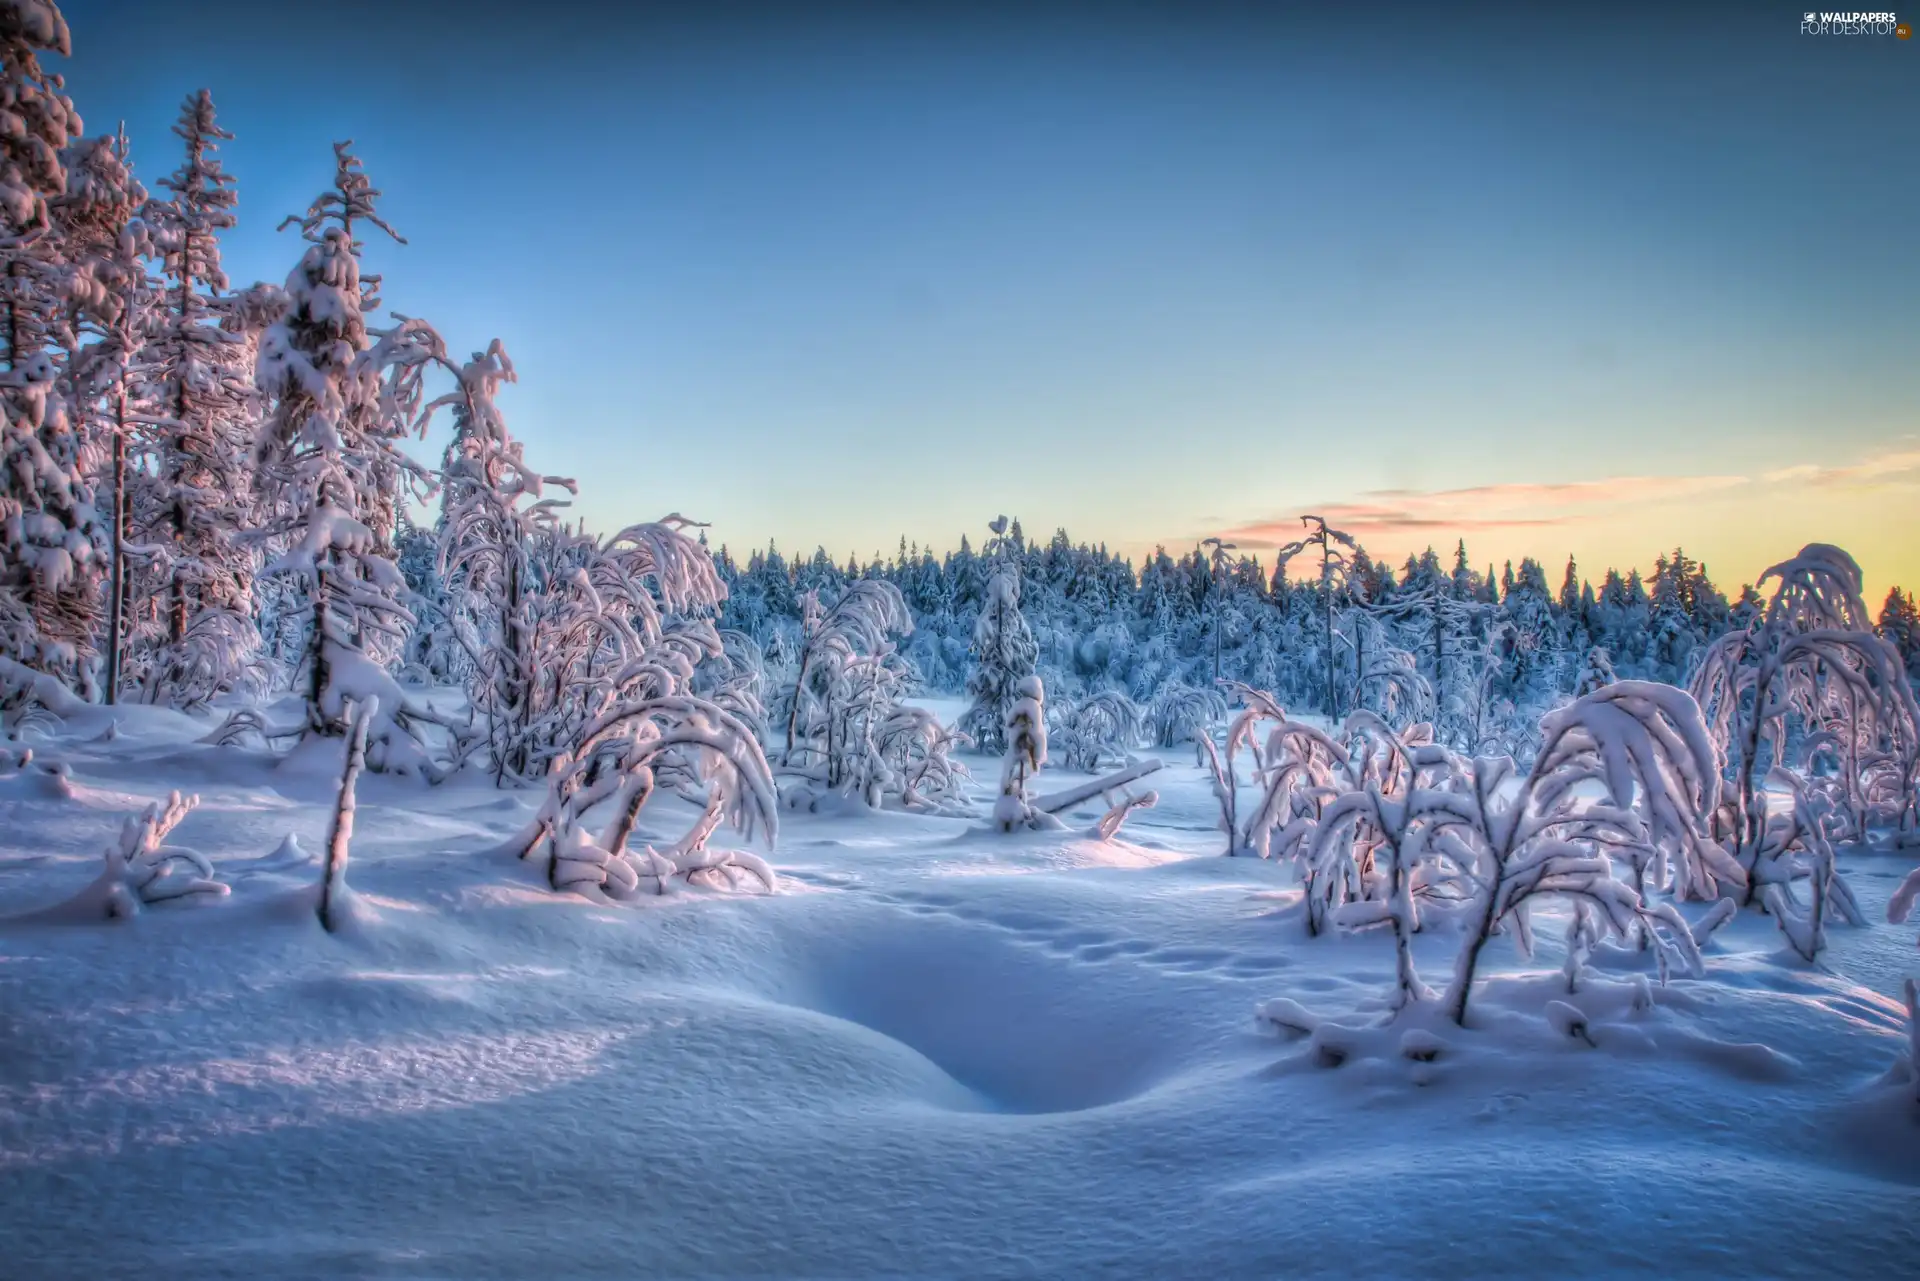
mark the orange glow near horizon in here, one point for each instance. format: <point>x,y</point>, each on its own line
<point>1736,525</point>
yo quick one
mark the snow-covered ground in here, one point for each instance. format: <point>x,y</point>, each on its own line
<point>938,1051</point>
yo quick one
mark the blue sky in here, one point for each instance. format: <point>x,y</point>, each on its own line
<point>1148,274</point>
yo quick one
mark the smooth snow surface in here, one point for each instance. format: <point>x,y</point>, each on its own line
<point>938,1051</point>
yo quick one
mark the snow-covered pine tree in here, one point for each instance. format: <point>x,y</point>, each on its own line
<point>197,371</point>
<point>1335,567</point>
<point>1004,651</point>
<point>341,394</point>
<point>494,515</point>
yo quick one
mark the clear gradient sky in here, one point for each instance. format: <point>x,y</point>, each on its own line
<point>1597,281</point>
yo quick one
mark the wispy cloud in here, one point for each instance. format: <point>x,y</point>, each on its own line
<point>1401,518</point>
<point>1388,516</point>
<point>1894,465</point>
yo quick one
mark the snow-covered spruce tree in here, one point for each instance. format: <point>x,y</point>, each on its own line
<point>41,122</point>
<point>51,539</point>
<point>340,395</point>
<point>1644,747</point>
<point>1597,673</point>
<point>197,373</point>
<point>1004,652</point>
<point>53,542</point>
<point>1811,661</point>
<point>1444,629</point>
<point>494,518</point>
<point>96,328</point>
<point>99,326</point>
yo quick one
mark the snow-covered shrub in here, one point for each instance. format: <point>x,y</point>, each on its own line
<point>1809,661</point>
<point>31,699</point>
<point>1103,725</point>
<point>1181,713</point>
<point>848,732</point>
<point>1299,769</point>
<point>1644,748</point>
<point>1796,844</point>
<point>918,752</point>
<point>1911,997</point>
<point>1383,822</point>
<point>142,870</point>
<point>618,756</point>
<point>845,653</point>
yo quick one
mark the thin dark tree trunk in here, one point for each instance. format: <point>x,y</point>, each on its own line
<point>116,606</point>
<point>176,508</point>
<point>317,658</point>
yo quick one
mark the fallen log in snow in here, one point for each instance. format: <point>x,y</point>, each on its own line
<point>1058,801</point>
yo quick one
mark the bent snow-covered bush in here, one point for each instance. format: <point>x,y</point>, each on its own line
<point>617,766</point>
<point>142,870</point>
<point>1809,664</point>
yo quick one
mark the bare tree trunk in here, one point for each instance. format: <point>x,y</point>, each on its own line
<point>116,607</point>
<point>317,655</point>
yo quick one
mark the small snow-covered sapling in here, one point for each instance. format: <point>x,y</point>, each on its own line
<point>333,882</point>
